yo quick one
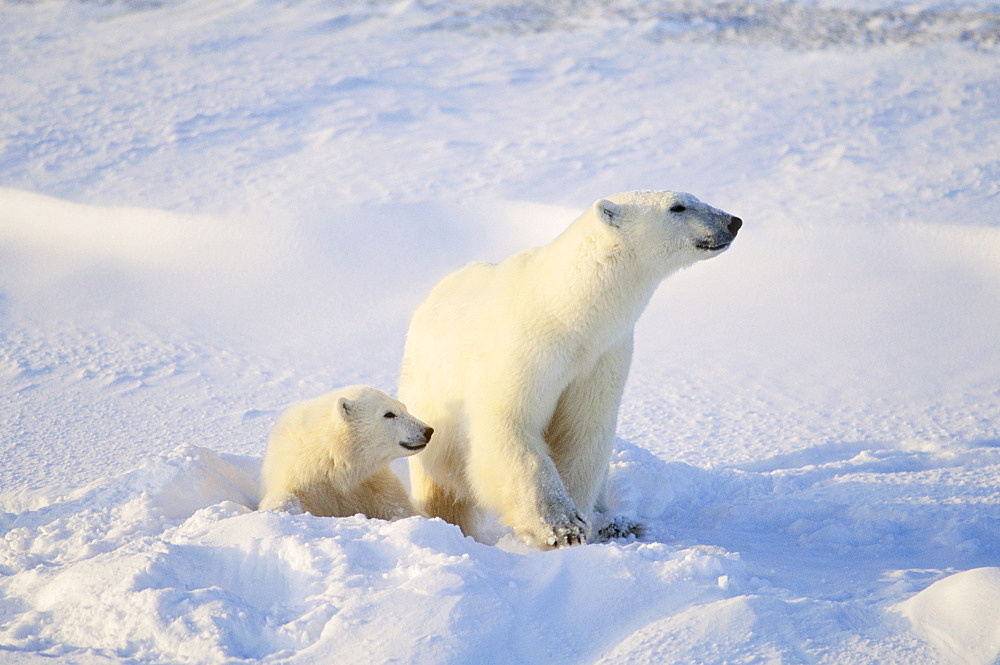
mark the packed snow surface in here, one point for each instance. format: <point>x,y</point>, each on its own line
<point>210,210</point>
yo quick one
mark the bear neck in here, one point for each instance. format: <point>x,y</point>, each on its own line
<point>612,284</point>
<point>344,459</point>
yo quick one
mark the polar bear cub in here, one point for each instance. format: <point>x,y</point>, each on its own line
<point>520,366</point>
<point>330,455</point>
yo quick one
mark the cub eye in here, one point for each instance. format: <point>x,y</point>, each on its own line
<point>390,414</point>
<point>677,208</point>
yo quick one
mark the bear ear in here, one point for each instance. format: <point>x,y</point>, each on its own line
<point>345,407</point>
<point>610,213</point>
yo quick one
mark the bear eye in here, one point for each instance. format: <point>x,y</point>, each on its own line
<point>390,414</point>
<point>677,208</point>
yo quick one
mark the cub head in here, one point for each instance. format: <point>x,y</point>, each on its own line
<point>382,422</point>
<point>669,229</point>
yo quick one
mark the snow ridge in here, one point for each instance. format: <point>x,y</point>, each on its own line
<point>792,25</point>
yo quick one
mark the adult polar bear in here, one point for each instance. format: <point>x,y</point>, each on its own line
<point>520,366</point>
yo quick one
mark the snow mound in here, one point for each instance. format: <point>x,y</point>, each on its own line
<point>960,615</point>
<point>168,563</point>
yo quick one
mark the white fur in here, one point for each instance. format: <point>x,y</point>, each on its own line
<point>520,366</point>
<point>330,455</point>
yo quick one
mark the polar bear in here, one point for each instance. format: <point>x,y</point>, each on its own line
<point>330,455</point>
<point>520,366</point>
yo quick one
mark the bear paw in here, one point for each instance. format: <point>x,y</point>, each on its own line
<point>567,530</point>
<point>619,528</point>
<point>284,502</point>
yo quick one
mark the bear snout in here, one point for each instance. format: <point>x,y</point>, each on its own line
<point>419,443</point>
<point>735,223</point>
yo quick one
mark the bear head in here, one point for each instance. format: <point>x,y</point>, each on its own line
<point>382,423</point>
<point>667,229</point>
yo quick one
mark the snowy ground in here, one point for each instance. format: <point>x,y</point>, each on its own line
<point>211,210</point>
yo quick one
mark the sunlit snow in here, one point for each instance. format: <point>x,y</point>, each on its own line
<point>210,210</point>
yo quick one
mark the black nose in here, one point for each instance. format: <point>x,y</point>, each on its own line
<point>427,433</point>
<point>734,225</point>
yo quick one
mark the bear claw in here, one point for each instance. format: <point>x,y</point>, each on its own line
<point>620,528</point>
<point>569,535</point>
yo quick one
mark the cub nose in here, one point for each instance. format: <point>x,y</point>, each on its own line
<point>734,225</point>
<point>427,433</point>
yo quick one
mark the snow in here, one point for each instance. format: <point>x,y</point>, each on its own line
<point>960,615</point>
<point>211,210</point>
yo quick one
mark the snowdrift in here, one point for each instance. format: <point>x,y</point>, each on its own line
<point>960,615</point>
<point>169,563</point>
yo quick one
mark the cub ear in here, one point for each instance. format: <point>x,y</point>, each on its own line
<point>345,407</point>
<point>610,213</point>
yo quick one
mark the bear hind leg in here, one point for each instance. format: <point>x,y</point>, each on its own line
<point>434,500</point>
<point>285,502</point>
<point>449,507</point>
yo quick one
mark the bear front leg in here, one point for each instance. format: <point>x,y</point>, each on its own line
<point>581,435</point>
<point>384,497</point>
<point>513,475</point>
